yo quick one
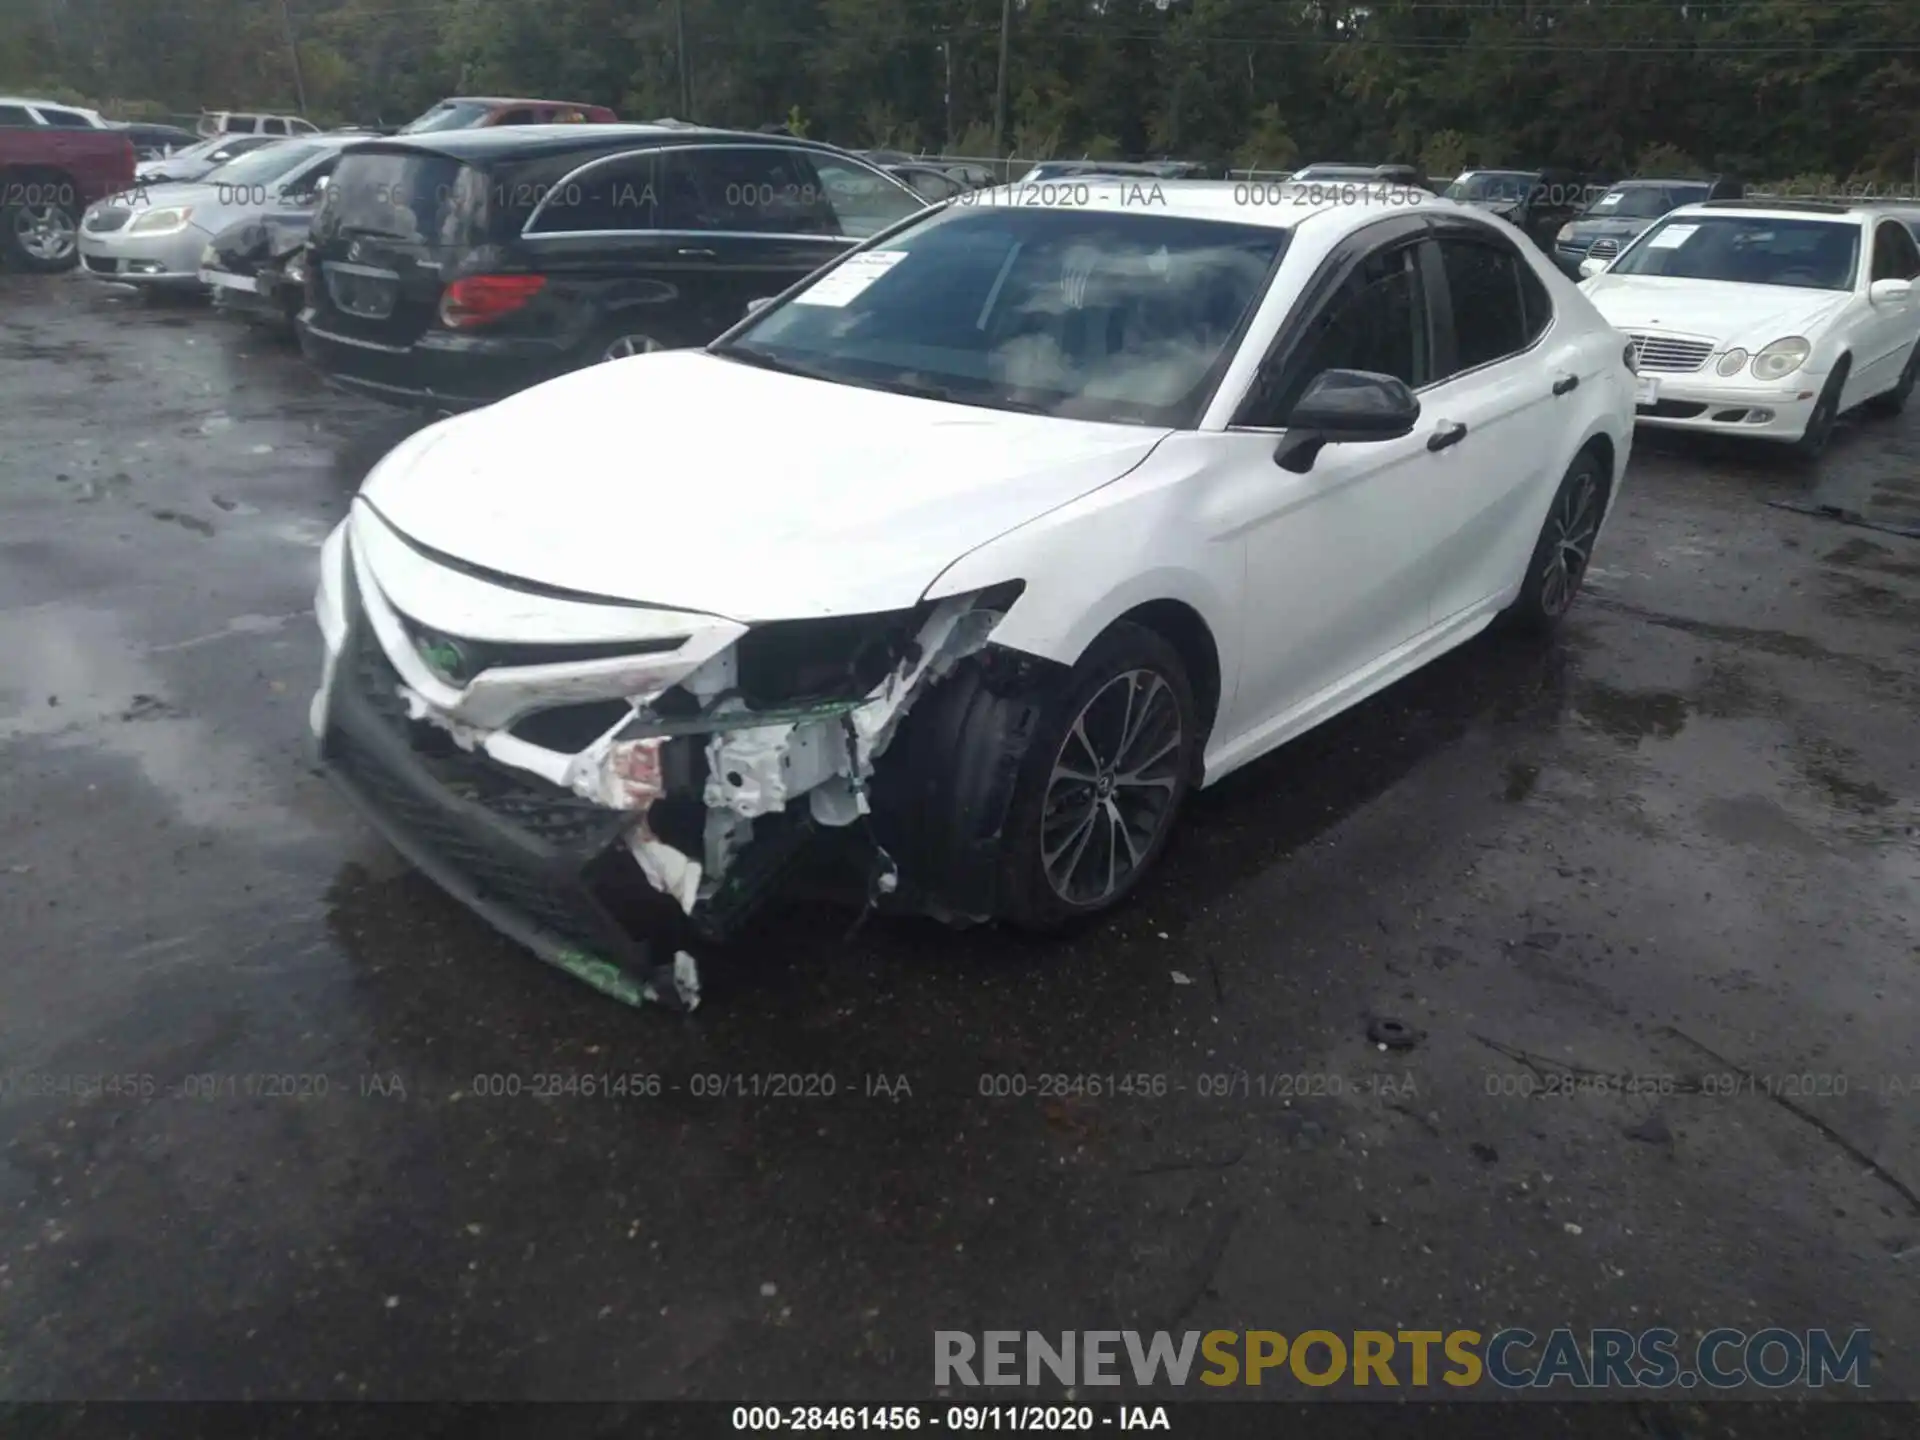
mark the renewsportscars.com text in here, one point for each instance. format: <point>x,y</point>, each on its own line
<point>1511,1358</point>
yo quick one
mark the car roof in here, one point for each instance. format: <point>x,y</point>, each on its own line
<point>527,141</point>
<point>508,100</point>
<point>93,115</point>
<point>1781,209</point>
<point>1230,202</point>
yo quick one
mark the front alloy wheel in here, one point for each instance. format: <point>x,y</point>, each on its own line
<point>1112,789</point>
<point>1814,440</point>
<point>1111,759</point>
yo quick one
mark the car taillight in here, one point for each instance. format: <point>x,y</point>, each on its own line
<point>480,298</point>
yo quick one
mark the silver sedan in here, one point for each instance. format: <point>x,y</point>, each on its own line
<point>153,236</point>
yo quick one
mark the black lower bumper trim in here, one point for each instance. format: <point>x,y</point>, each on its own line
<point>512,853</point>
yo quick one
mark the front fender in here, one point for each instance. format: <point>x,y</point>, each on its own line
<point>1087,564</point>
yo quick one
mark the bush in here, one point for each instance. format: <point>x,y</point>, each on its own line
<point>1269,147</point>
<point>1665,162</point>
<point>1445,154</point>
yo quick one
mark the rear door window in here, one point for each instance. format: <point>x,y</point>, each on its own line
<point>864,202</point>
<point>1490,320</point>
<point>274,127</point>
<point>743,189</point>
<point>520,115</point>
<point>65,119</point>
<point>15,115</point>
<point>621,193</point>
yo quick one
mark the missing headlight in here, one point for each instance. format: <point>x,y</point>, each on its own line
<point>788,662</point>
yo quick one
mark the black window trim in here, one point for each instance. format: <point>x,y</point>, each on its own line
<point>1348,253</point>
<point>1353,249</point>
<point>526,231</point>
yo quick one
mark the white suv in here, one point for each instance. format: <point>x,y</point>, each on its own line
<point>246,122</point>
<point>20,110</point>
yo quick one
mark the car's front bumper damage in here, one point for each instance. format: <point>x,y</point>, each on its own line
<point>589,800</point>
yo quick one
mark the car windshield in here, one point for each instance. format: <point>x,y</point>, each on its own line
<point>1491,185</point>
<point>1643,202</point>
<point>1335,172</point>
<point>262,166</point>
<point>1083,314</point>
<point>1748,250</point>
<point>448,115</point>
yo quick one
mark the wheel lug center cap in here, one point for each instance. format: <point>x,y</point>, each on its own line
<point>1103,787</point>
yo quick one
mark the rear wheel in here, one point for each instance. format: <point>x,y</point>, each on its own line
<point>42,238</point>
<point>1102,782</point>
<point>1560,556</point>
<point>621,338</point>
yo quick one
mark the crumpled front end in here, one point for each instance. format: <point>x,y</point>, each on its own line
<point>587,773</point>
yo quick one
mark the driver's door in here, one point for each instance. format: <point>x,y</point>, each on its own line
<point>1337,577</point>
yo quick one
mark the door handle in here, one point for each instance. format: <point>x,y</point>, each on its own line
<point>1566,383</point>
<point>694,253</point>
<point>1451,432</point>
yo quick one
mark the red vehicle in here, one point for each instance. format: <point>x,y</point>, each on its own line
<point>470,112</point>
<point>48,177</point>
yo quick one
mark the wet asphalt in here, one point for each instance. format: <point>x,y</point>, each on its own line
<point>1683,840</point>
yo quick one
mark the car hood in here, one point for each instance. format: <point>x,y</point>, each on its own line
<point>1747,315</point>
<point>686,480</point>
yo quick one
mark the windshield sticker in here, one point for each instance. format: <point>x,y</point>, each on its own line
<point>1672,238</point>
<point>1607,202</point>
<point>847,280</point>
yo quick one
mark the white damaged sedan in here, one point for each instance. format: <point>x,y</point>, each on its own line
<point>1767,320</point>
<point>957,566</point>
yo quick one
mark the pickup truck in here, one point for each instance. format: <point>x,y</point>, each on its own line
<point>48,177</point>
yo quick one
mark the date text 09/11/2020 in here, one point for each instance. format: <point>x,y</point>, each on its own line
<point>962,1419</point>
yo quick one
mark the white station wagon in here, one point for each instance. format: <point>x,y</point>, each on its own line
<point>1767,319</point>
<point>966,558</point>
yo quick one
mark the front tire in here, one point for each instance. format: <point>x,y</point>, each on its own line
<point>1893,401</point>
<point>1100,787</point>
<point>1565,547</point>
<point>42,239</point>
<point>1814,440</point>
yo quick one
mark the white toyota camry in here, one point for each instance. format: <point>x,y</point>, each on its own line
<point>962,561</point>
<point>1767,320</point>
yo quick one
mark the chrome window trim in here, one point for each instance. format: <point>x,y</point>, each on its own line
<point>670,149</point>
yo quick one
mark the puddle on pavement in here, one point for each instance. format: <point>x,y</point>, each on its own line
<point>1862,554</point>
<point>71,678</point>
<point>1862,600</point>
<point>1630,715</point>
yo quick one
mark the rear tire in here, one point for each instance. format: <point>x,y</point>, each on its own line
<point>1563,551</point>
<point>42,239</point>
<point>1102,783</point>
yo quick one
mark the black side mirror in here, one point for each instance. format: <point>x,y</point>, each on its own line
<point>1345,407</point>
